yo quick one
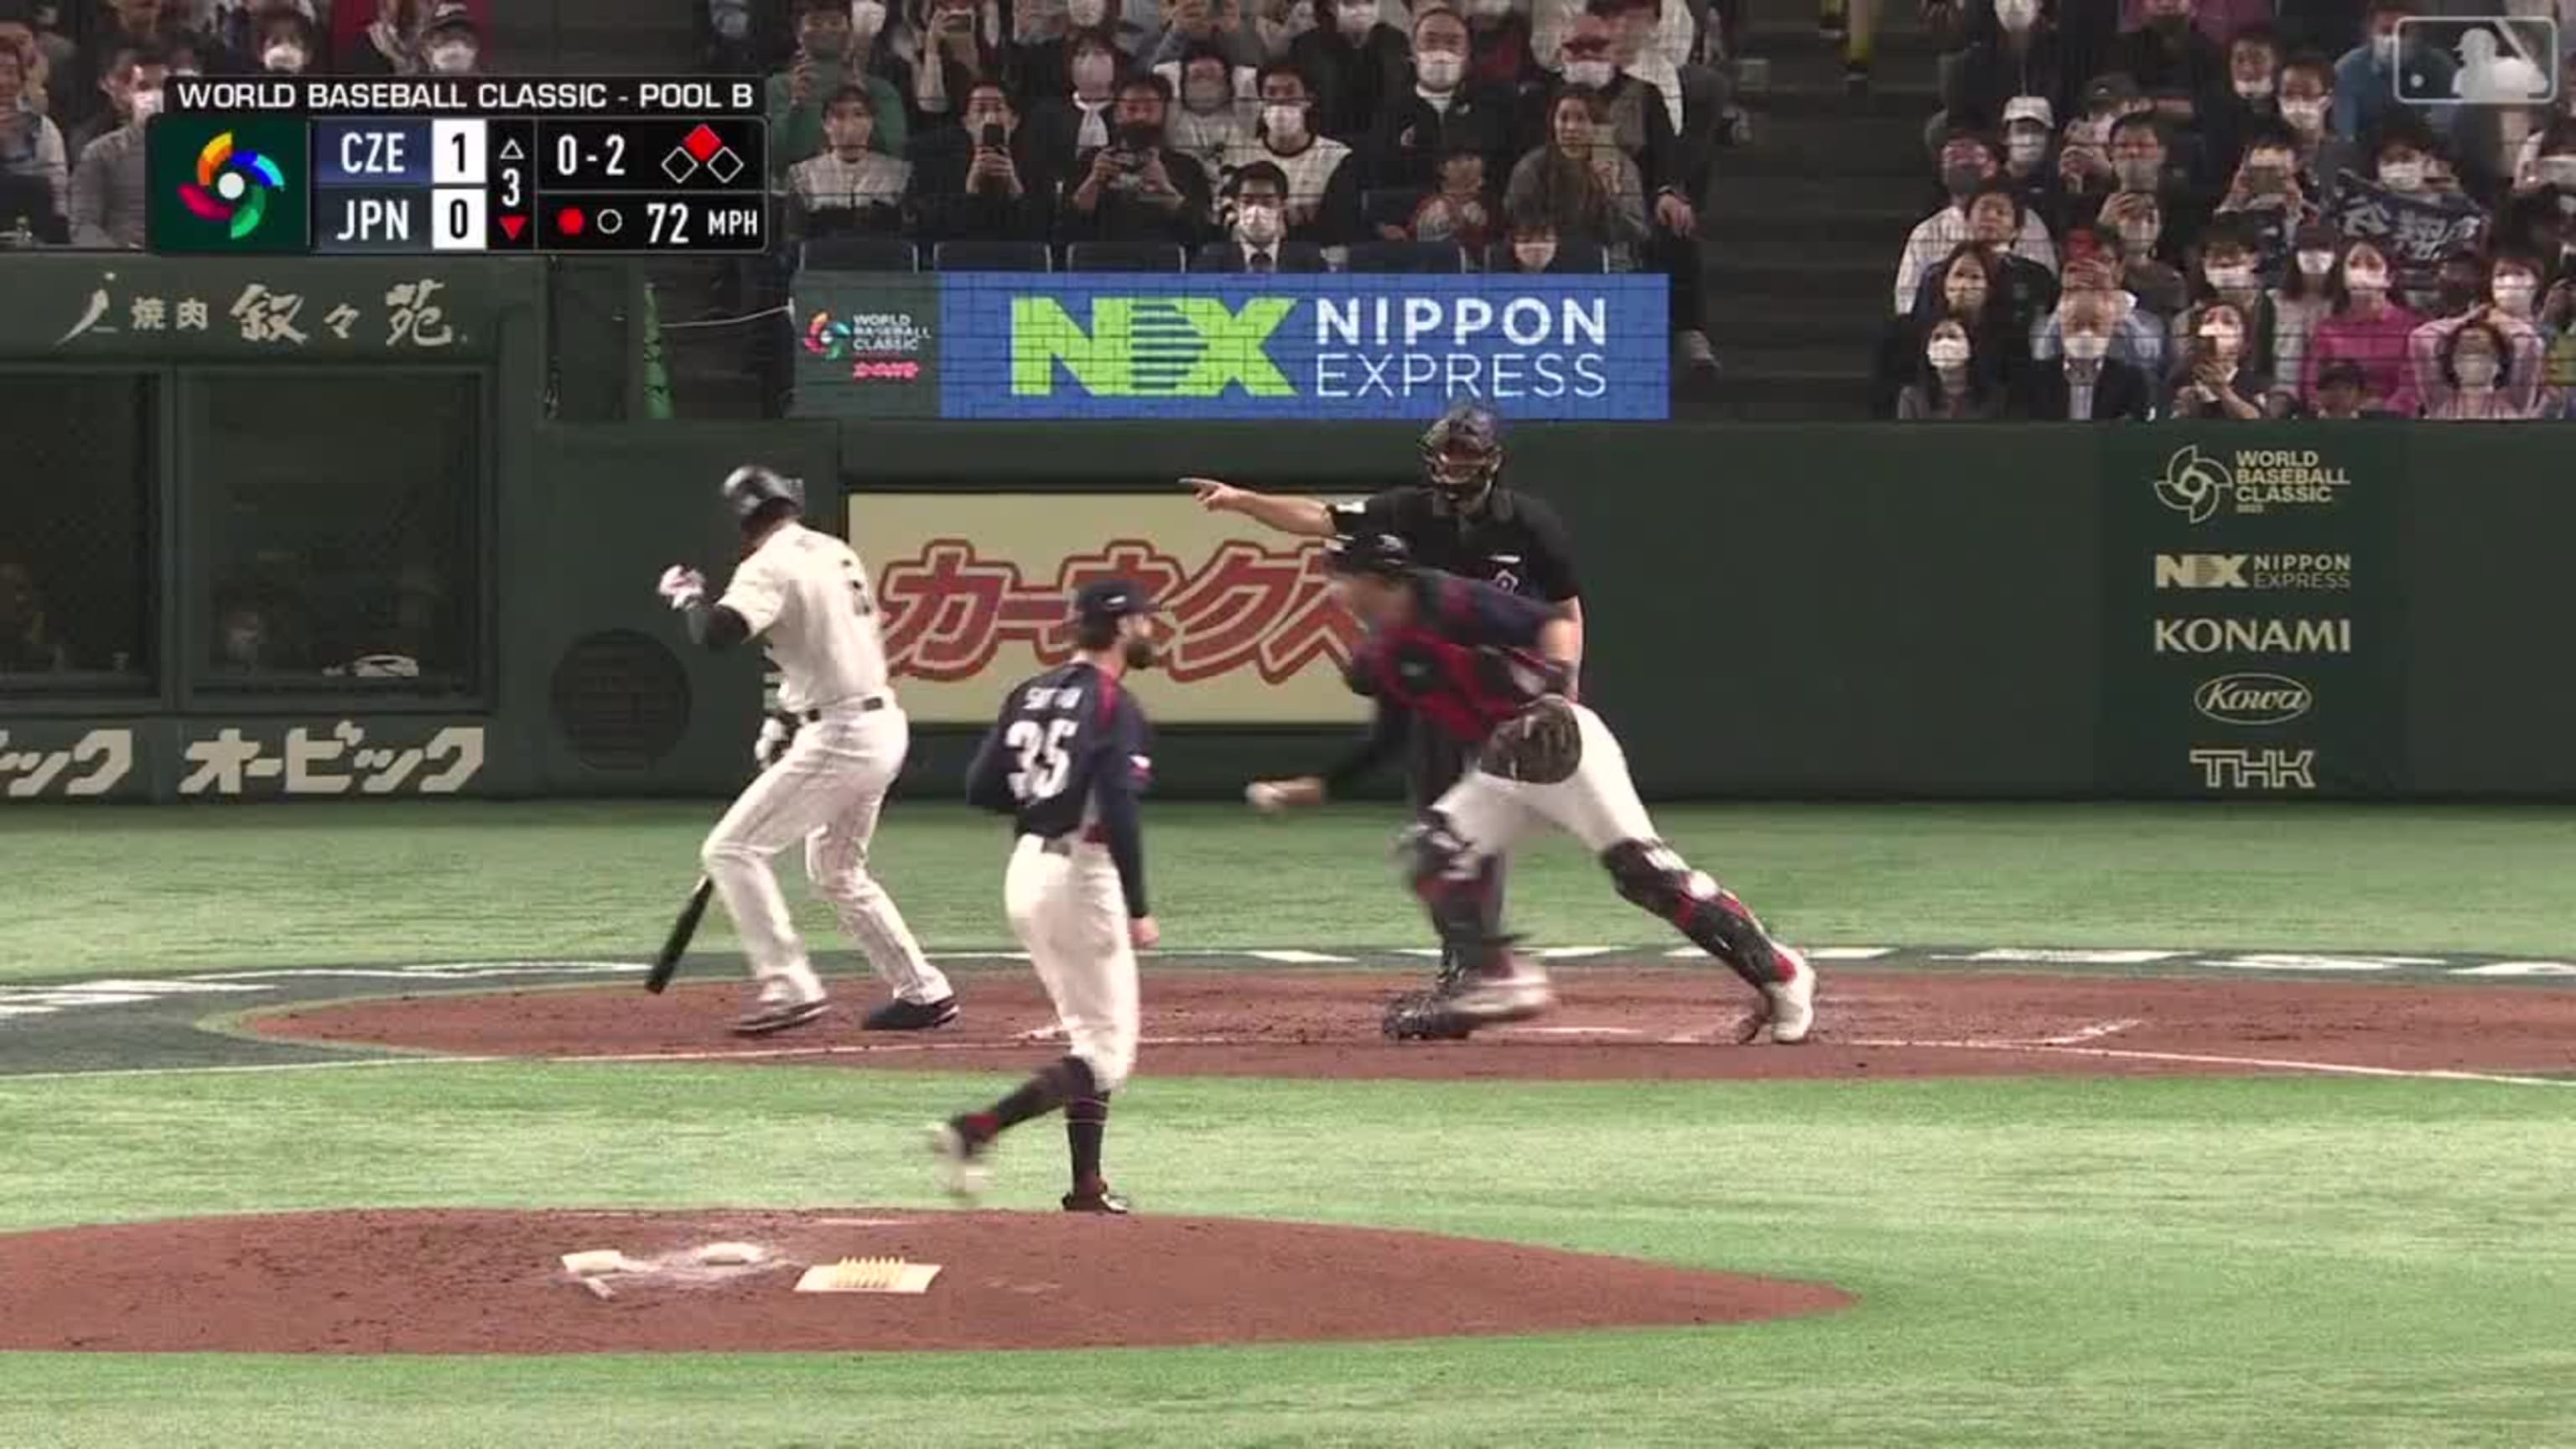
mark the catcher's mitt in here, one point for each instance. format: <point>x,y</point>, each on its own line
<point>1539,746</point>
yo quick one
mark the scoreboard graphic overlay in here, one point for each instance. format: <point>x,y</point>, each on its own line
<point>309,166</point>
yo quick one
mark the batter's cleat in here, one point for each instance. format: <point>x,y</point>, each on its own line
<point>1097,1199</point>
<point>902,1015</point>
<point>961,1158</point>
<point>776,1016</point>
<point>1792,1002</point>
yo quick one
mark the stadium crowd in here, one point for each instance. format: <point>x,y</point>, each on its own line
<point>2233,210</point>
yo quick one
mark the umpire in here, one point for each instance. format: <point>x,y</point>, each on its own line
<point>1460,520</point>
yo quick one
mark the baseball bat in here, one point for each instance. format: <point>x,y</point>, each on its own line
<point>682,930</point>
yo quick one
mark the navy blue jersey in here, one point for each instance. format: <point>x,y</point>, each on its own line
<point>1466,660</point>
<point>1067,755</point>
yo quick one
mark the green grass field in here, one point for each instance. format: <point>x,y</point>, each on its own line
<point>2186,1261</point>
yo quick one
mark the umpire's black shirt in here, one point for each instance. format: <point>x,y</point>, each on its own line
<point>1512,540</point>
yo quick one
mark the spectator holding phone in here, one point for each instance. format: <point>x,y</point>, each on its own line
<point>1136,188</point>
<point>830,56</point>
<point>987,179</point>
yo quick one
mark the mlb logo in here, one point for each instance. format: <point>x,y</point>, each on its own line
<point>2477,60</point>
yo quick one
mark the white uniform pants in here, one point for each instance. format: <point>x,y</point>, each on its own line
<point>1067,909</point>
<point>1597,804</point>
<point>826,792</point>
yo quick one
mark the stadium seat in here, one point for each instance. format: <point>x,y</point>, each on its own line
<point>991,256</point>
<point>861,254</point>
<point>1385,256</point>
<point>1096,256</point>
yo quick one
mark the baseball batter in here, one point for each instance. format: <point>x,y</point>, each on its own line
<point>1490,670</point>
<point>835,746</point>
<point>1461,520</point>
<point>1066,760</point>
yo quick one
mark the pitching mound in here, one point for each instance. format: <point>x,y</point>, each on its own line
<point>494,1282</point>
<point>1614,1022</point>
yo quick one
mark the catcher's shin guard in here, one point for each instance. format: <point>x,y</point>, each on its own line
<point>1653,875</point>
<point>1459,892</point>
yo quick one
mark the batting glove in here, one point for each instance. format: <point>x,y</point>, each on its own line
<point>682,587</point>
<point>777,732</point>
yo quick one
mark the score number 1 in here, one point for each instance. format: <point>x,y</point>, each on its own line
<point>669,222</point>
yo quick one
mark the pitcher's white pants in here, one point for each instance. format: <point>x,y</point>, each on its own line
<point>826,792</point>
<point>1067,909</point>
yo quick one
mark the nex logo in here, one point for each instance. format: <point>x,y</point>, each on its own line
<point>1173,347</point>
<point>2201,571</point>
<point>2273,769</point>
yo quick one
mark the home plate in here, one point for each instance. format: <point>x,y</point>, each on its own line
<point>868,1275</point>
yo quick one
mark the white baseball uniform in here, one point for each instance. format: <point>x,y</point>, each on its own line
<point>806,598</point>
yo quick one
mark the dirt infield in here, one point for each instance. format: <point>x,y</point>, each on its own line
<point>1613,1023</point>
<point>494,1282</point>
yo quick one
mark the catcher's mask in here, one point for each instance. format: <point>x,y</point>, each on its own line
<point>1462,452</point>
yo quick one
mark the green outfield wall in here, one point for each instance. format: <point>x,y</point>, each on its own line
<point>311,529</point>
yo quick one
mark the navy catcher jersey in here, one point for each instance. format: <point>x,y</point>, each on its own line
<point>1464,662</point>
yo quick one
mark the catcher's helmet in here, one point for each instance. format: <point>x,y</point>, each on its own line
<point>1381,554</point>
<point>1462,452</point>
<point>751,487</point>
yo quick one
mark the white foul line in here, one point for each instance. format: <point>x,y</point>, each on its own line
<point>2210,1059</point>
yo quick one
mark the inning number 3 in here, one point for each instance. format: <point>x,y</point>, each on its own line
<point>1043,762</point>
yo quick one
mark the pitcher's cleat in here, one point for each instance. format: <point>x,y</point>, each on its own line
<point>1096,1198</point>
<point>902,1015</point>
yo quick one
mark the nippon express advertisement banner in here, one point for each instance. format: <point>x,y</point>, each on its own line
<point>1130,346</point>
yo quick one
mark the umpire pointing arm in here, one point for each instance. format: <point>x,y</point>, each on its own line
<point>1459,519</point>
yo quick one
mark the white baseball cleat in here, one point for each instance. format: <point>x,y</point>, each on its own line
<point>1793,1002</point>
<point>1514,990</point>
<point>961,1170</point>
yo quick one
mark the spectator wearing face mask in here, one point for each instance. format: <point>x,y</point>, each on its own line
<point>1968,162</point>
<point>1951,384</point>
<point>2217,381</point>
<point>2307,108</point>
<point>2365,326</point>
<point>2142,165</point>
<point>2514,282</point>
<point>1354,63</point>
<point>1323,191</point>
<point>107,190</point>
<point>2226,276</point>
<point>1256,238</point>
<point>2484,367</point>
<point>2181,69</point>
<point>2030,128</point>
<point>31,148</point>
<point>1137,188</point>
<point>1499,50</point>
<point>2253,101</point>
<point>1216,25</point>
<point>849,188</point>
<point>451,43</point>
<point>1038,59</point>
<point>2022,56</point>
<point>85,97</point>
<point>2023,289</point>
<point>2366,78</point>
<point>1965,290</point>
<point>988,179</point>
<point>1439,116</point>
<point>2085,382</point>
<point>831,56</point>
<point>1533,247</point>
<point>2266,199</point>
<point>1073,126</point>
<point>1638,118</point>
<point>284,42</point>
<point>2093,268</point>
<point>1209,118</point>
<point>2299,301</point>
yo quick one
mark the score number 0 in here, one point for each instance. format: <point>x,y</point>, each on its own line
<point>568,155</point>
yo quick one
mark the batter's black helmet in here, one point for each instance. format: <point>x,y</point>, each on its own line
<point>751,487</point>
<point>1462,452</point>
<point>1381,554</point>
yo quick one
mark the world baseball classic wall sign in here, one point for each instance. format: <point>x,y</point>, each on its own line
<point>2251,605</point>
